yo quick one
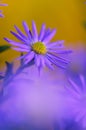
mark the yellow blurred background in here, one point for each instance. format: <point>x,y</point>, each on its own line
<point>65,15</point>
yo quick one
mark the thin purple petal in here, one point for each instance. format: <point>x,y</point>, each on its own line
<point>55,62</point>
<point>34,30</point>
<point>42,32</point>
<point>49,64</point>
<point>3,4</point>
<point>20,32</point>
<point>58,58</point>
<point>61,52</point>
<point>42,58</point>
<point>26,28</point>
<point>21,57</point>
<point>83,82</point>
<point>73,92</point>
<point>50,36</point>
<point>18,44</point>
<point>55,45</point>
<point>37,60</point>
<point>1,15</point>
<point>18,37</point>
<point>20,49</point>
<point>74,86</point>
<point>29,57</point>
<point>47,32</point>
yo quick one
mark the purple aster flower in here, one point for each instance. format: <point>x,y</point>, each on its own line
<point>77,100</point>
<point>38,47</point>
<point>1,15</point>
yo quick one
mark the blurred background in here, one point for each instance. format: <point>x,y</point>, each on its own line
<point>68,16</point>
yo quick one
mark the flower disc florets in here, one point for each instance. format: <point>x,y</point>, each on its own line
<point>39,48</point>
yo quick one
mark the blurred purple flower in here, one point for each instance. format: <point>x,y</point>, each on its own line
<point>33,103</point>
<point>1,15</point>
<point>78,64</point>
<point>38,47</point>
<point>77,100</point>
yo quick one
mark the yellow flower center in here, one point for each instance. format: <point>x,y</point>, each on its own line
<point>39,48</point>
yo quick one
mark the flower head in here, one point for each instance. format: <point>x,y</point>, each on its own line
<point>38,46</point>
<point>1,15</point>
<point>77,100</point>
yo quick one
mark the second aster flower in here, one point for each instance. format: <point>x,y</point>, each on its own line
<point>77,100</point>
<point>38,47</point>
<point>1,15</point>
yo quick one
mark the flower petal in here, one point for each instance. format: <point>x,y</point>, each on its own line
<point>42,58</point>
<point>18,44</point>
<point>20,49</point>
<point>49,64</point>
<point>50,36</point>
<point>57,58</point>
<point>37,60</point>
<point>74,86</point>
<point>3,4</point>
<point>55,62</point>
<point>83,82</point>
<point>56,45</point>
<point>61,52</point>
<point>26,28</point>
<point>47,32</point>
<point>20,32</point>
<point>21,57</point>
<point>19,37</point>
<point>72,92</point>
<point>34,30</point>
<point>42,32</point>
<point>29,57</point>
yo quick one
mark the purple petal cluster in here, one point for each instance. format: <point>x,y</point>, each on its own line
<point>78,63</point>
<point>1,15</point>
<point>77,100</point>
<point>38,47</point>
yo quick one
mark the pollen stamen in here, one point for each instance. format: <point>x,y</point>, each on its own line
<point>39,48</point>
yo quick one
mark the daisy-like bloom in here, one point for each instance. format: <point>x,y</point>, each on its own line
<point>1,15</point>
<point>38,46</point>
<point>77,100</point>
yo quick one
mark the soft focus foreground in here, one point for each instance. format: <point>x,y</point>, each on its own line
<point>41,103</point>
<point>36,102</point>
